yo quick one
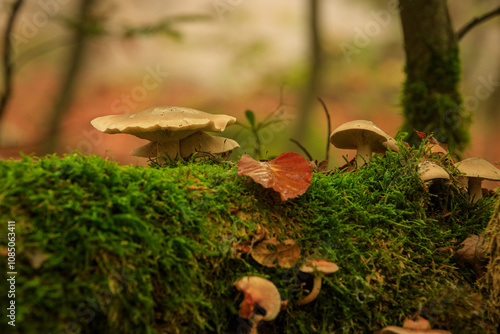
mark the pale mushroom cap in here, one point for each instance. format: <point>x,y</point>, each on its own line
<point>322,266</point>
<point>428,170</point>
<point>479,168</point>
<point>203,142</point>
<point>352,134</point>
<point>150,150</point>
<point>437,149</point>
<point>417,323</point>
<point>263,292</point>
<point>162,123</point>
<point>401,330</point>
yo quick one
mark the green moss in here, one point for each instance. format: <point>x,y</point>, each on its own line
<point>432,103</point>
<point>144,250</point>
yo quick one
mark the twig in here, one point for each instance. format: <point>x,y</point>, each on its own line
<point>477,20</point>
<point>7,54</point>
<point>302,148</point>
<point>329,128</point>
<point>28,55</point>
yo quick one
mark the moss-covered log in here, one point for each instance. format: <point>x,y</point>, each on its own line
<point>102,248</point>
<point>431,99</point>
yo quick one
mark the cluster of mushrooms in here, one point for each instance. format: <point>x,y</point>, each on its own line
<point>367,138</point>
<point>262,300</point>
<point>181,132</point>
<point>172,131</point>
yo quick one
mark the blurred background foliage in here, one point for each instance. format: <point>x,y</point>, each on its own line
<point>77,60</point>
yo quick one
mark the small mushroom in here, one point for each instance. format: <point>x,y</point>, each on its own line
<point>437,149</point>
<point>418,326</point>
<point>477,170</point>
<point>417,322</point>
<point>199,141</point>
<point>206,144</point>
<point>364,136</point>
<point>163,125</point>
<point>314,267</point>
<point>262,300</point>
<point>428,170</point>
<point>402,330</point>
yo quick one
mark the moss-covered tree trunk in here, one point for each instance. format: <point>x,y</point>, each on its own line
<point>431,100</point>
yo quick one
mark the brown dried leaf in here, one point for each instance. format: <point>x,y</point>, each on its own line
<point>472,253</point>
<point>268,252</point>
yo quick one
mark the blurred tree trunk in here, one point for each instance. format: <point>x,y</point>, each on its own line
<point>308,97</point>
<point>431,100</point>
<point>69,81</point>
<point>6,58</point>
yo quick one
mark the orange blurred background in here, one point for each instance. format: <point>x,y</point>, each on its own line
<point>239,56</point>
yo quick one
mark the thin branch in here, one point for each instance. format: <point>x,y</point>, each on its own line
<point>477,20</point>
<point>328,128</point>
<point>302,148</point>
<point>7,55</point>
<point>48,46</point>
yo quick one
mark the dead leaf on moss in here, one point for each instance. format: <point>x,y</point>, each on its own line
<point>472,253</point>
<point>240,249</point>
<point>268,252</point>
<point>289,174</point>
<point>320,167</point>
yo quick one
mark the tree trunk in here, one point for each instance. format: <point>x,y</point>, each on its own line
<point>311,87</point>
<point>431,100</point>
<point>70,77</point>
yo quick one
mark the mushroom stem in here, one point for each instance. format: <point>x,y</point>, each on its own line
<point>475,193</point>
<point>170,149</point>
<point>255,323</point>
<point>314,292</point>
<point>364,155</point>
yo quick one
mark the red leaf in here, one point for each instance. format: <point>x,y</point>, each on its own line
<point>289,174</point>
<point>421,135</point>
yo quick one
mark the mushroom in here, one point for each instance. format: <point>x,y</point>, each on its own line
<point>163,125</point>
<point>262,300</point>
<point>314,267</point>
<point>428,170</point>
<point>402,330</point>
<point>199,141</point>
<point>206,144</point>
<point>477,170</point>
<point>417,322</point>
<point>364,136</point>
<point>418,326</point>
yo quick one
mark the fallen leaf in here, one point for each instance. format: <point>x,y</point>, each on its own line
<point>289,174</point>
<point>420,134</point>
<point>270,251</point>
<point>472,253</point>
